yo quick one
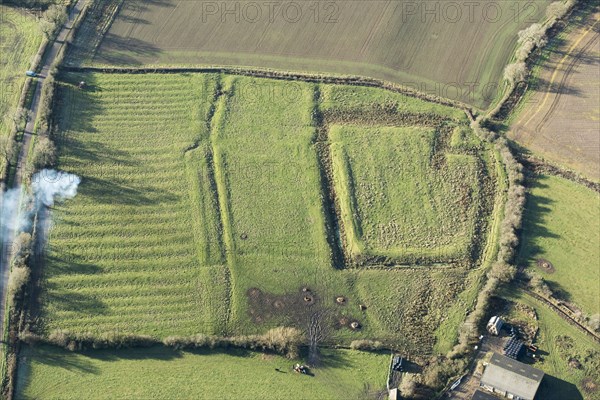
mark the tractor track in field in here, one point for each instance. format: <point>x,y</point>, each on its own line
<point>566,76</point>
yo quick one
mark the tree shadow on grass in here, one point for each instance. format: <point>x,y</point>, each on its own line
<point>75,108</point>
<point>69,263</point>
<point>82,360</point>
<point>71,300</point>
<point>59,358</point>
<point>331,358</point>
<point>558,291</point>
<point>535,214</point>
<point>93,151</point>
<point>119,50</point>
<point>107,191</point>
<point>156,353</point>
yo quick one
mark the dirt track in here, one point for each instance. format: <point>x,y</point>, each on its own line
<point>7,241</point>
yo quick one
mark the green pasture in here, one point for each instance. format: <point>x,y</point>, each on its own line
<point>562,225</point>
<point>400,199</point>
<point>157,372</point>
<point>201,211</point>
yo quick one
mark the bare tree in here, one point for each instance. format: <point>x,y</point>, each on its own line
<point>535,33</point>
<point>317,332</point>
<point>7,149</point>
<point>44,153</point>
<point>515,72</point>
<point>16,118</point>
<point>558,9</point>
<point>408,386</point>
<point>54,17</point>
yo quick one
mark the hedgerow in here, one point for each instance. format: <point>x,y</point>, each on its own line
<point>530,39</point>
<point>501,270</point>
<point>282,340</point>
<point>365,344</point>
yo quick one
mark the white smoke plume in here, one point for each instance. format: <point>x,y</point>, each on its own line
<point>49,185</point>
<point>19,207</point>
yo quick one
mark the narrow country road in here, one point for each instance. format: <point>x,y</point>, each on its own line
<point>8,236</point>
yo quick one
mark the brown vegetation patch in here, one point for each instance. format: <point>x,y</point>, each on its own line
<point>254,293</point>
<point>278,304</point>
<point>574,363</point>
<point>296,309</point>
<point>589,385</point>
<point>292,307</point>
<point>545,265</point>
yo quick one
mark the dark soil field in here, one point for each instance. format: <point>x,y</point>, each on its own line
<point>455,50</point>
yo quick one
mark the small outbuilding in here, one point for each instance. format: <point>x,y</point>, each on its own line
<point>494,325</point>
<point>481,395</point>
<point>511,378</point>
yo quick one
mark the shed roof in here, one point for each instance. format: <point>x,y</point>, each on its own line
<point>481,395</point>
<point>512,376</point>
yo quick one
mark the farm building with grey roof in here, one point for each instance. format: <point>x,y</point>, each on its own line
<point>511,378</point>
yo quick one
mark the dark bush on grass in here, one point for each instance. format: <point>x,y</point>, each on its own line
<point>85,341</point>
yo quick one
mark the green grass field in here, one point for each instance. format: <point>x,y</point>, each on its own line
<point>562,225</point>
<point>123,254</point>
<point>401,197</point>
<point>343,98</point>
<point>20,39</point>
<point>561,381</point>
<point>457,51</point>
<point>201,211</point>
<point>156,372</point>
<point>267,181</point>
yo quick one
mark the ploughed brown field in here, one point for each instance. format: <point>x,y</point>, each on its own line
<point>561,121</point>
<point>455,50</point>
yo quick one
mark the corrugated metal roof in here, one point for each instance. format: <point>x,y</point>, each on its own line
<point>512,376</point>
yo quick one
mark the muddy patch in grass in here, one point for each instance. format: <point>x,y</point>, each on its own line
<point>293,307</point>
<point>545,265</point>
<point>297,309</point>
